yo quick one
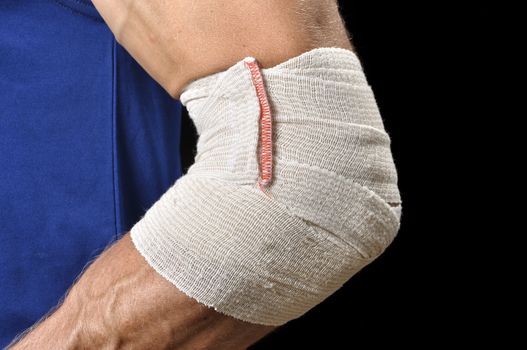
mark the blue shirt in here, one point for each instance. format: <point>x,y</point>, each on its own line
<point>88,142</point>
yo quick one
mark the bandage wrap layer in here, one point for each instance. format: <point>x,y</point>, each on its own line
<point>268,259</point>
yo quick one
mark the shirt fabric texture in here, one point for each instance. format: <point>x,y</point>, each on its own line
<point>88,142</point>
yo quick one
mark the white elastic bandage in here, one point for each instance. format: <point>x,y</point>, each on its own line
<point>268,257</point>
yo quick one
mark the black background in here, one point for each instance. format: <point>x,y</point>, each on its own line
<point>430,68</point>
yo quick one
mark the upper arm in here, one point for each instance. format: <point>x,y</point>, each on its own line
<point>180,41</point>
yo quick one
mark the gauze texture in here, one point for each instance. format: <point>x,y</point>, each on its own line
<point>332,206</point>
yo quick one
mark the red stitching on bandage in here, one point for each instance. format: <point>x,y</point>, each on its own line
<point>266,135</point>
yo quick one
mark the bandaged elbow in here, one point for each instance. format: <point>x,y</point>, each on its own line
<point>265,229</point>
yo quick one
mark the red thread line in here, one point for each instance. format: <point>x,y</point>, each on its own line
<point>265,123</point>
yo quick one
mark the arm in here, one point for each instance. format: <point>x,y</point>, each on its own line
<point>179,41</point>
<point>120,301</point>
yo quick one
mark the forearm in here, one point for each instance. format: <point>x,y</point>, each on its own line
<point>120,302</point>
<point>179,41</point>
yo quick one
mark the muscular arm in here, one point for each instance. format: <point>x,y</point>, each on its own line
<point>120,302</point>
<point>181,40</point>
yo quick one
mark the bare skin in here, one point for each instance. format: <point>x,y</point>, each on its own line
<point>177,41</point>
<point>120,302</point>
